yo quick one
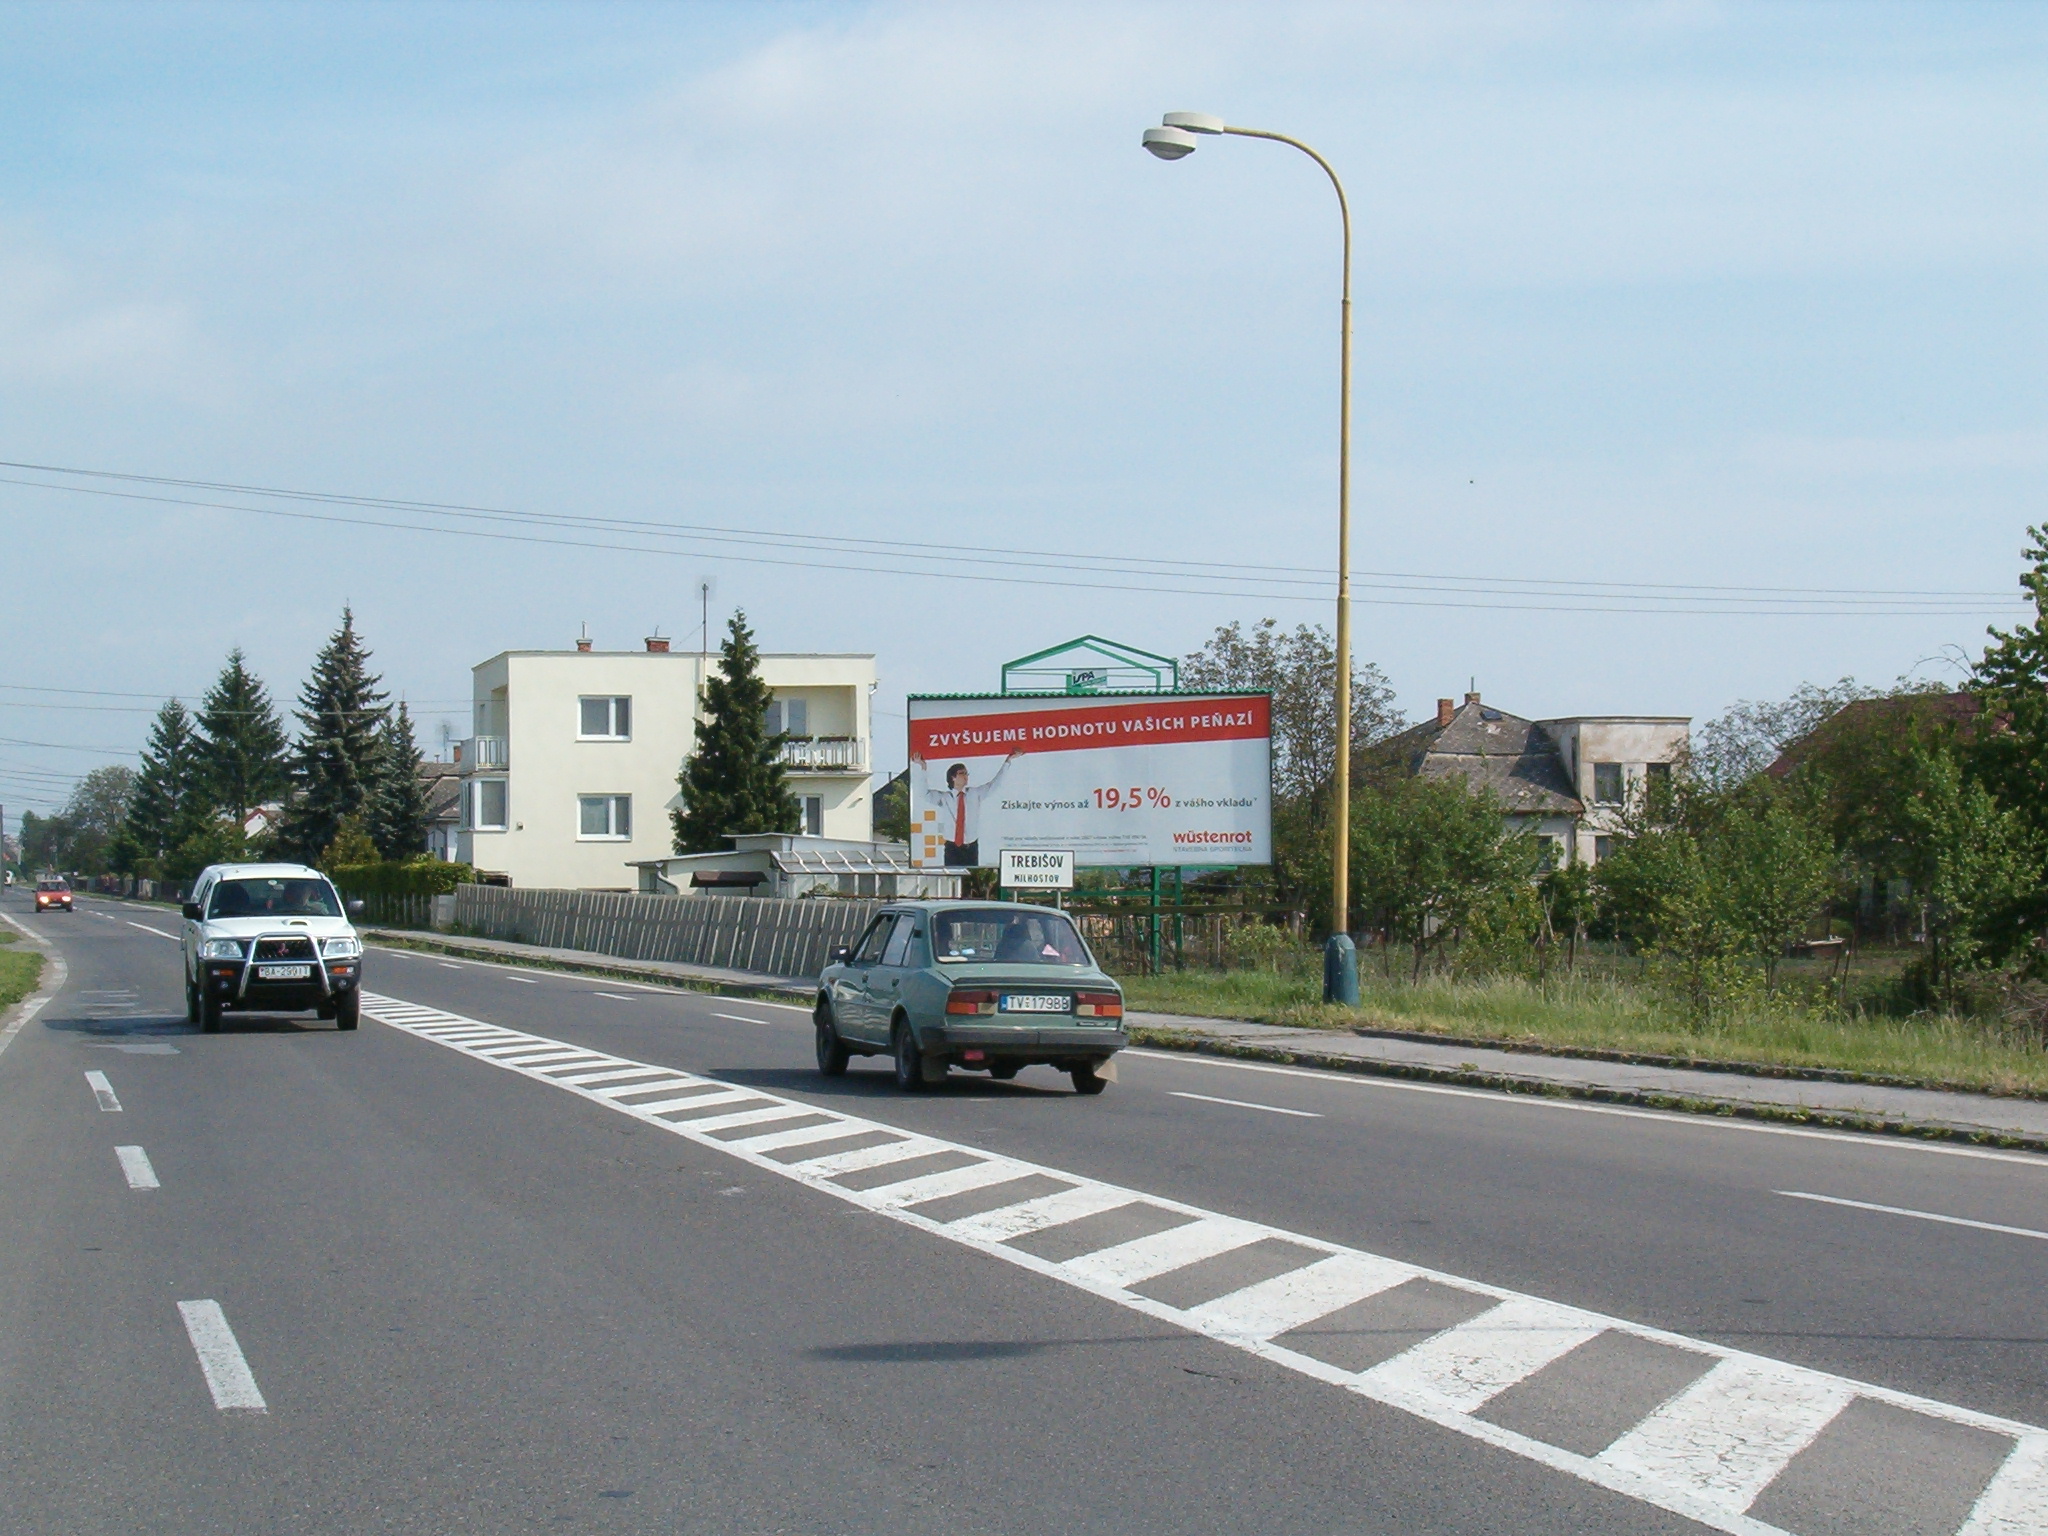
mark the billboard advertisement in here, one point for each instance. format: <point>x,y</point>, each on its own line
<point>1163,778</point>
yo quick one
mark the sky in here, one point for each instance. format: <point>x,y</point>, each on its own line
<point>1698,346</point>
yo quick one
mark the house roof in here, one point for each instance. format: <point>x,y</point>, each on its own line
<point>1493,750</point>
<point>1957,709</point>
<point>443,784</point>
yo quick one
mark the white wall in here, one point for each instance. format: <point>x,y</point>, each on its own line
<point>550,768</point>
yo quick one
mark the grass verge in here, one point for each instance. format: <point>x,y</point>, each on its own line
<point>20,969</point>
<point>1610,1016</point>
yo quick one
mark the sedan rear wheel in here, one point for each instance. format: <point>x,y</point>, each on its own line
<point>909,1059</point>
<point>1086,1079</point>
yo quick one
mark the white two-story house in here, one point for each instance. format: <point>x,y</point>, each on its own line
<point>569,776</point>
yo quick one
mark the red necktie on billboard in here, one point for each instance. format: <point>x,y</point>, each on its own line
<point>960,819</point>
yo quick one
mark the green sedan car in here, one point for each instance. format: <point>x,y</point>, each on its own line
<point>981,985</point>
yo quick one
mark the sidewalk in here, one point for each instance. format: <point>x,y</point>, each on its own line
<point>1978,1118</point>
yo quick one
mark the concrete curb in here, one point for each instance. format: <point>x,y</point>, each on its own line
<point>1498,1082</point>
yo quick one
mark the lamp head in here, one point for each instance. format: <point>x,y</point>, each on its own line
<point>1193,122</point>
<point>1170,143</point>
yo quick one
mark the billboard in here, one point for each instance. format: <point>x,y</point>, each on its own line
<point>1160,778</point>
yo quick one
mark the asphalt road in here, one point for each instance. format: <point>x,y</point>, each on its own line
<point>469,1301</point>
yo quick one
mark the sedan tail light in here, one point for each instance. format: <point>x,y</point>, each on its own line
<point>971,1002</point>
<point>1098,1005</point>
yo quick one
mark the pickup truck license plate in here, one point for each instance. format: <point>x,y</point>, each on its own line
<point>283,972</point>
<point>1036,1002</point>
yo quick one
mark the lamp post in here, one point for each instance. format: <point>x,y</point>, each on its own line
<point>1176,139</point>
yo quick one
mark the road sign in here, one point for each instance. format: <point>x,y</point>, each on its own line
<point>1037,869</point>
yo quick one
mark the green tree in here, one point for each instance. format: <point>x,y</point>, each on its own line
<point>86,835</point>
<point>352,845</point>
<point>396,813</point>
<point>338,759</point>
<point>2008,753</point>
<point>243,744</point>
<point>1429,856</point>
<point>1976,872</point>
<point>892,809</point>
<point>734,781</point>
<point>171,800</point>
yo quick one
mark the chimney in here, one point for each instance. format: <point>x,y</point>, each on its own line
<point>1444,710</point>
<point>657,644</point>
<point>1471,698</point>
<point>583,643</point>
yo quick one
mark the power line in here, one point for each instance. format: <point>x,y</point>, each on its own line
<point>1667,597</point>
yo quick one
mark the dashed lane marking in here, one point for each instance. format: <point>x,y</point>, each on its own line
<point>1900,1210</point>
<point>157,931</point>
<point>1271,1109</point>
<point>228,1377</point>
<point>136,1169</point>
<point>1714,1123</point>
<point>1689,1426</point>
<point>103,1091</point>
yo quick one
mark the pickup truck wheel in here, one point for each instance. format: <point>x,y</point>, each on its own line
<point>1085,1079</point>
<point>209,1014</point>
<point>191,1002</point>
<point>832,1051</point>
<point>909,1059</point>
<point>348,1008</point>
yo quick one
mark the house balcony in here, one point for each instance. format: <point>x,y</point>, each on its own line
<point>482,752</point>
<point>823,754</point>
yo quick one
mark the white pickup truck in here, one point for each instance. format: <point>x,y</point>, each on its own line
<point>270,938</point>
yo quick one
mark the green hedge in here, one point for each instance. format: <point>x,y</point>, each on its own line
<point>414,877</point>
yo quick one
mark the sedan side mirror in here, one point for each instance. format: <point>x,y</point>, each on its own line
<point>191,911</point>
<point>355,907</point>
<point>841,954</point>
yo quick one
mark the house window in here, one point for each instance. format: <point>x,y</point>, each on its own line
<point>814,814</point>
<point>487,803</point>
<point>1657,775</point>
<point>604,818</point>
<point>1602,847</point>
<point>1549,852</point>
<point>789,717</point>
<point>604,719</point>
<point>1607,783</point>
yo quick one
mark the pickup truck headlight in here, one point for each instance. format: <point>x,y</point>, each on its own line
<point>341,949</point>
<point>221,949</point>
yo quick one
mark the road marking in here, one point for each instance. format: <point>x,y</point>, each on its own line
<point>228,1376</point>
<point>53,981</point>
<point>1900,1210</point>
<point>449,965</point>
<point>524,981</point>
<point>1708,1454</point>
<point>741,1018</point>
<point>617,997</point>
<point>1271,1109</point>
<point>1336,1079</point>
<point>157,931</point>
<point>103,1091</point>
<point>135,1166</point>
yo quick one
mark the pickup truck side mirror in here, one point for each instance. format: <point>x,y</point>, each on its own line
<point>841,954</point>
<point>355,907</point>
<point>191,911</point>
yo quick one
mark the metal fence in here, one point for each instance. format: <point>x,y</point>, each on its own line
<point>745,933</point>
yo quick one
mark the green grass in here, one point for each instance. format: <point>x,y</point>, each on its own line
<point>1615,1014</point>
<point>20,969</point>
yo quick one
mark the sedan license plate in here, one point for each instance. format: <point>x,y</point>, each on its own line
<point>1036,1002</point>
<point>283,972</point>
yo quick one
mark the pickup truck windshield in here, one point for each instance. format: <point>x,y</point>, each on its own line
<point>273,898</point>
<point>1006,937</point>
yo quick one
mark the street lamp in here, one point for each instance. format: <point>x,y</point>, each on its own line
<point>1176,138</point>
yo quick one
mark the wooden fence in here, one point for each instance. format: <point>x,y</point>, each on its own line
<point>745,933</point>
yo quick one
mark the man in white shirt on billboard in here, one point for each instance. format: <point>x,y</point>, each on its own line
<point>959,807</point>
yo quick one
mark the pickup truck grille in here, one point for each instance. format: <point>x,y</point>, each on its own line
<point>284,949</point>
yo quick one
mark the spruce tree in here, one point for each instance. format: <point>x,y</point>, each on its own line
<point>734,782</point>
<point>336,764</point>
<point>396,816</point>
<point>244,748</point>
<point>171,802</point>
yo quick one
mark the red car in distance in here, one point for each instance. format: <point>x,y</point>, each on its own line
<point>52,894</point>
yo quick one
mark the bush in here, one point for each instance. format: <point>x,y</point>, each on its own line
<point>409,877</point>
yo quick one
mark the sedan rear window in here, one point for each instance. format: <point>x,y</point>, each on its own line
<point>1007,937</point>
<point>273,898</point>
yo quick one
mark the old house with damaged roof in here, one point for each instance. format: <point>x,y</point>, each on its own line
<point>1568,781</point>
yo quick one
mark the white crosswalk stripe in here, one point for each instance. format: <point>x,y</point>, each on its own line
<point>1708,1454</point>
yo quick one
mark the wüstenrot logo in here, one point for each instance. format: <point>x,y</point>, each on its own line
<point>1211,837</point>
